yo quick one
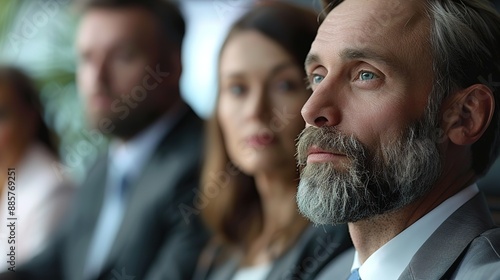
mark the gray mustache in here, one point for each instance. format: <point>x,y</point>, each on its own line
<point>329,139</point>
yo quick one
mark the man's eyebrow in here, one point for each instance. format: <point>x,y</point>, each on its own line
<point>354,54</point>
<point>311,59</point>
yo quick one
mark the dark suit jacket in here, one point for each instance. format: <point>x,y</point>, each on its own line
<point>316,247</point>
<point>154,236</point>
<point>466,246</point>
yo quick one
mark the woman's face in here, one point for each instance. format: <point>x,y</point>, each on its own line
<point>262,91</point>
<point>16,123</point>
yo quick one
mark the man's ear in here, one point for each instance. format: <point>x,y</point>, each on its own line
<point>468,114</point>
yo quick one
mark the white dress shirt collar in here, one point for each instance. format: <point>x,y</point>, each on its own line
<point>131,156</point>
<point>390,260</point>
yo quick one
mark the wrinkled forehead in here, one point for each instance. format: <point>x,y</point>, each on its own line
<point>397,30</point>
<point>385,12</point>
<point>381,19</point>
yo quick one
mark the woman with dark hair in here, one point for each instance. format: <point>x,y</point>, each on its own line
<point>30,188</point>
<point>250,174</point>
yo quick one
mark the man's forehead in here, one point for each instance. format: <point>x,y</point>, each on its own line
<point>115,24</point>
<point>393,26</point>
<point>385,7</point>
<point>378,16</point>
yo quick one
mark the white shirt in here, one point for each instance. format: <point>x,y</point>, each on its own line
<point>259,272</point>
<point>131,156</point>
<point>390,260</point>
<point>125,159</point>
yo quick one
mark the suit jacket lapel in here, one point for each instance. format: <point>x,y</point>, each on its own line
<point>148,185</point>
<point>445,246</point>
<point>84,222</point>
<point>153,183</point>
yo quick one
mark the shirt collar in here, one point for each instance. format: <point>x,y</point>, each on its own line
<point>389,261</point>
<point>131,156</point>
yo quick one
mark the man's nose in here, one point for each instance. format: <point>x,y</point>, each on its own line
<point>321,108</point>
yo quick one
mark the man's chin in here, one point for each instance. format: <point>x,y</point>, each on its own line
<point>341,168</point>
<point>332,196</point>
<point>340,203</point>
<point>108,123</point>
<point>320,203</point>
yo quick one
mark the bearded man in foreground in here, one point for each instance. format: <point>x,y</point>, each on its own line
<point>402,122</point>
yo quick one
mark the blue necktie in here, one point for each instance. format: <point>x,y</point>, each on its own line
<point>354,275</point>
<point>107,227</point>
<point>124,186</point>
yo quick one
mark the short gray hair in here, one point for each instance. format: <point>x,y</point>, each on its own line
<point>465,45</point>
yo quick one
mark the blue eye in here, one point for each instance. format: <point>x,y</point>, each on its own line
<point>236,89</point>
<point>365,76</point>
<point>316,79</point>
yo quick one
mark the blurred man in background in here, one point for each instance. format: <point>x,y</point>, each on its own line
<point>125,221</point>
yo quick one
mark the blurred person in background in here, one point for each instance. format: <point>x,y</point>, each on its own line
<point>258,232</point>
<point>125,223</point>
<point>38,196</point>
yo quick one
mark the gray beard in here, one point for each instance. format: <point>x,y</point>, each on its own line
<point>371,183</point>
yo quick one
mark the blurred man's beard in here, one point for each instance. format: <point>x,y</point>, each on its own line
<point>123,126</point>
<point>370,183</point>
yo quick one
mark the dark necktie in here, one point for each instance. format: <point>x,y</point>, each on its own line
<point>107,227</point>
<point>354,275</point>
<point>124,186</point>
